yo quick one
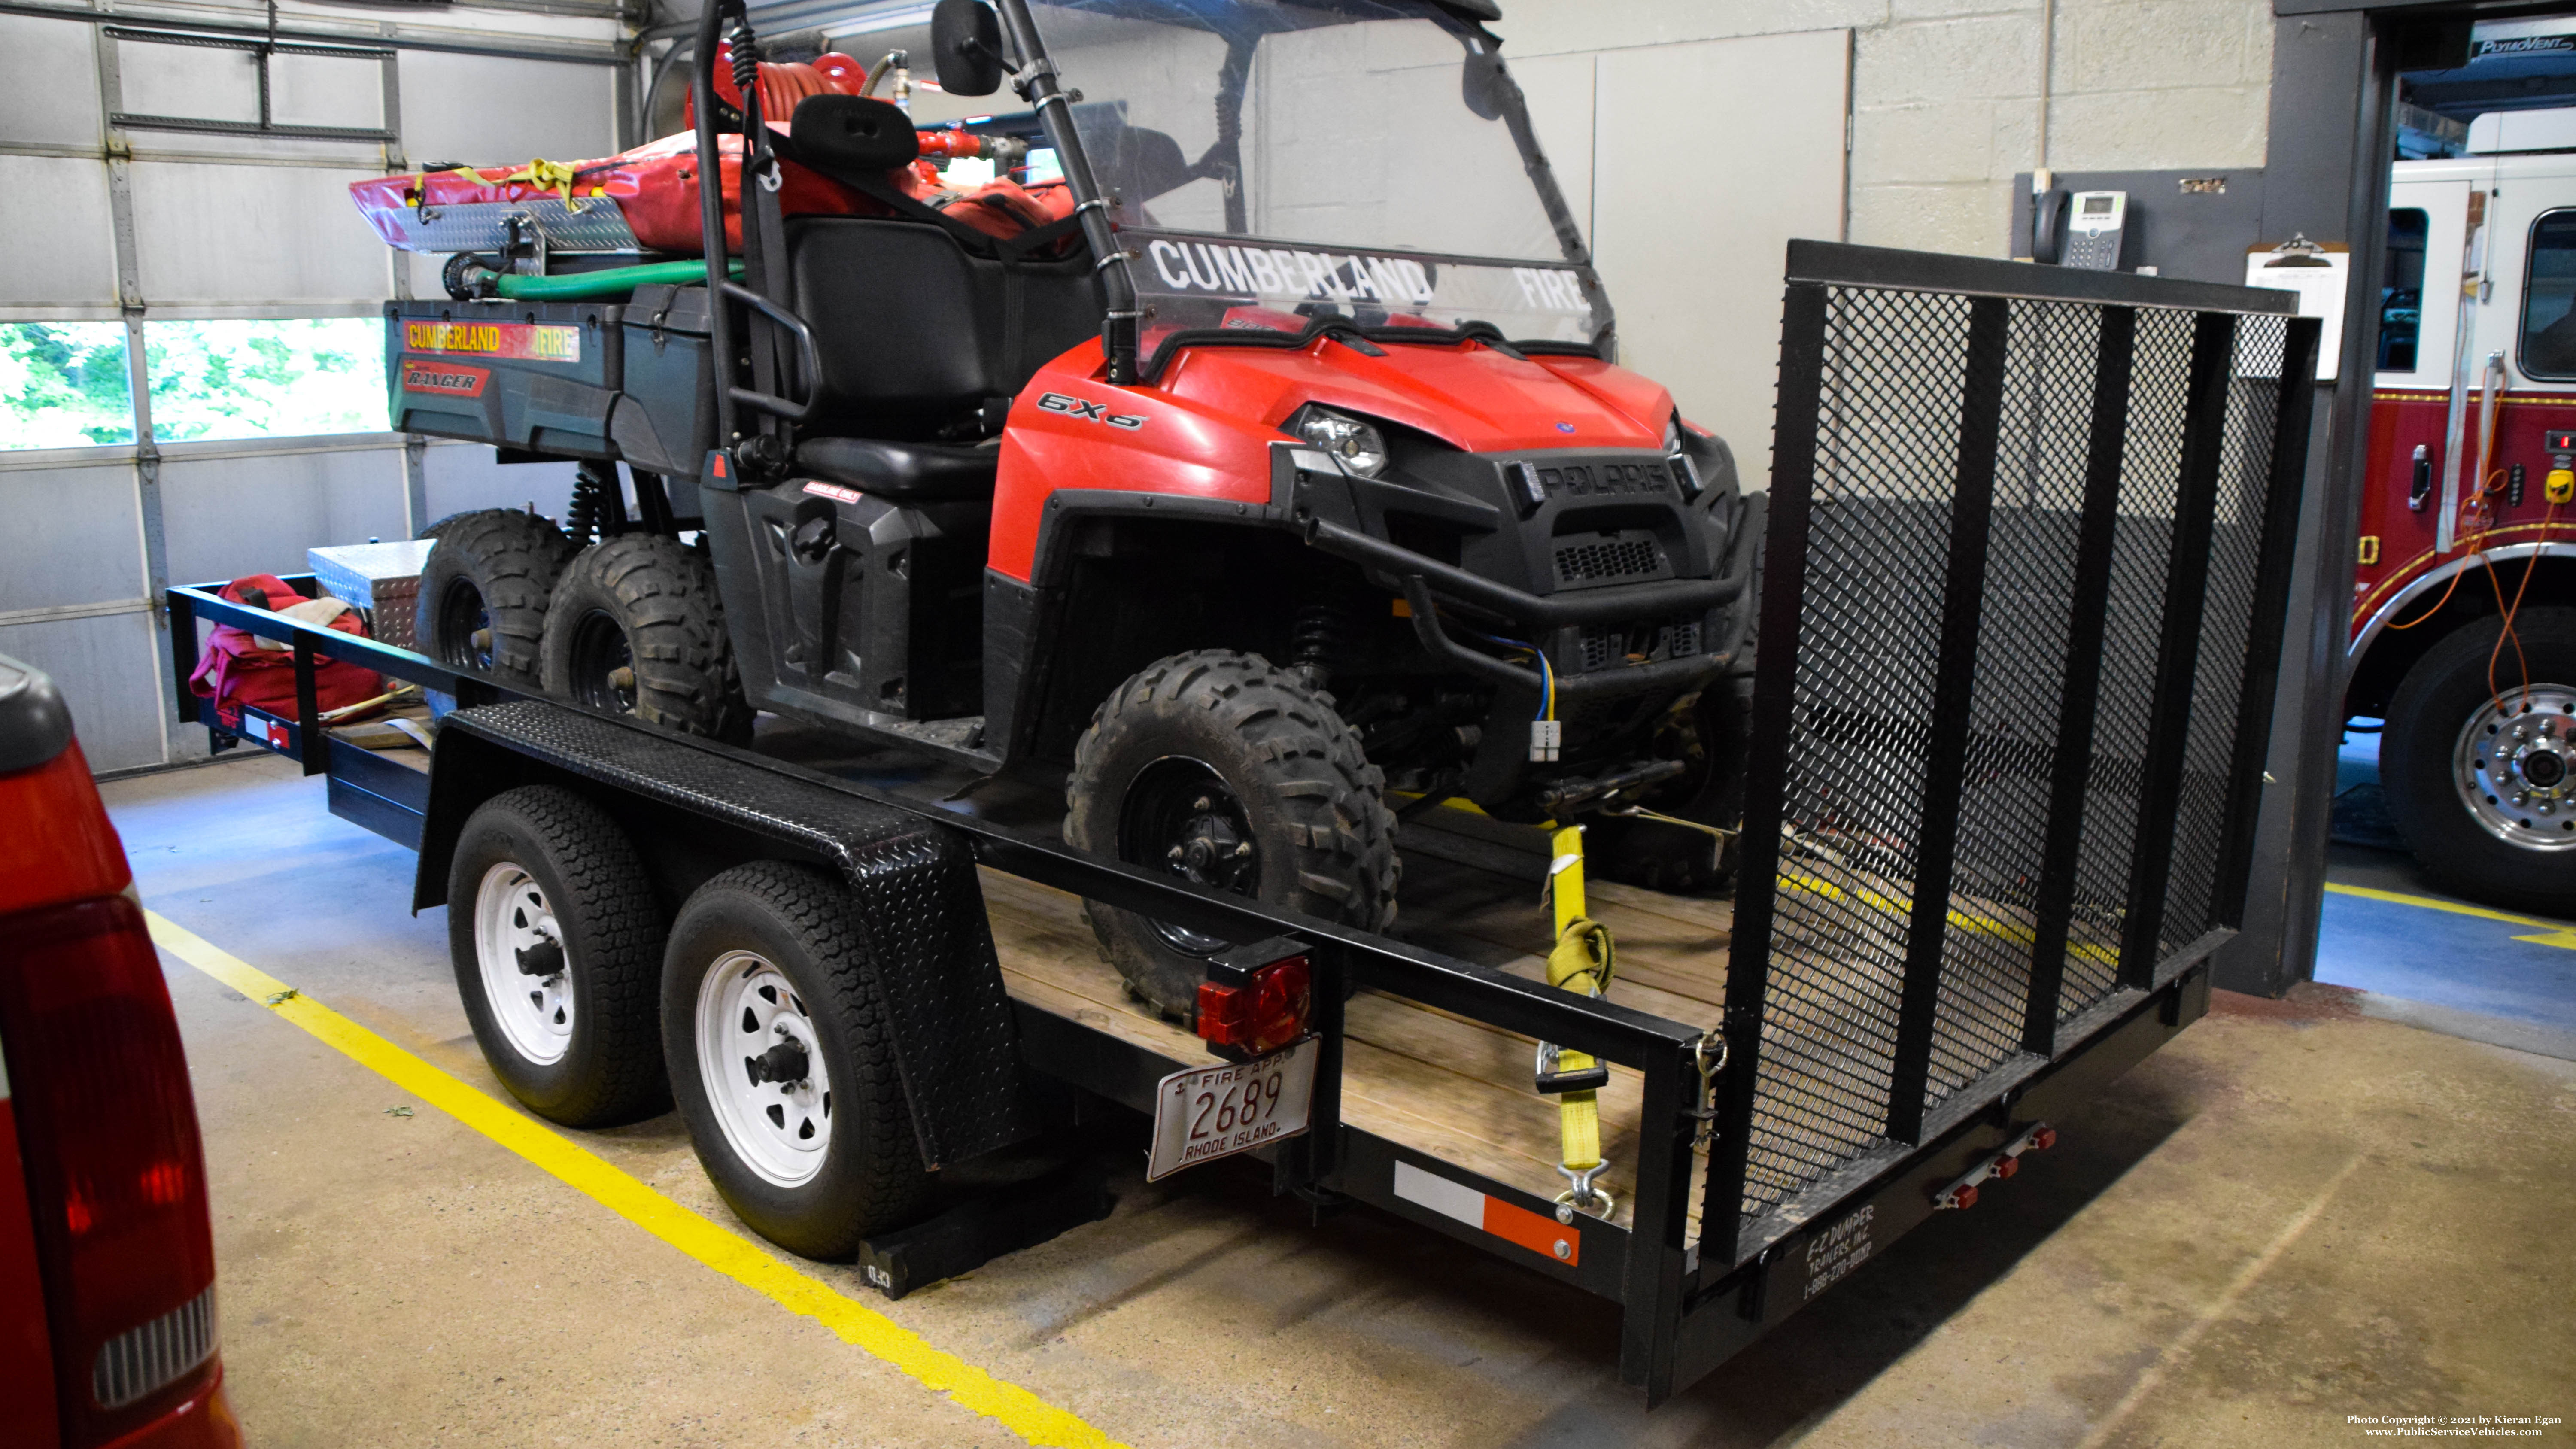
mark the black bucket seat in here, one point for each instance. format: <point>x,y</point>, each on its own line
<point>924,327</point>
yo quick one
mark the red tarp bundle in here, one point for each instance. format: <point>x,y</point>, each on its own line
<point>656,184</point>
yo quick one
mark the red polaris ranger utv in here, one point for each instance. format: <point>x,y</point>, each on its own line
<point>1248,449</point>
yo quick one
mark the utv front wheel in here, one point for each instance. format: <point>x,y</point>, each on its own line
<point>1231,775</point>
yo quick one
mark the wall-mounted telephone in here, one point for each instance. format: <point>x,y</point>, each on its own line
<point>2093,227</point>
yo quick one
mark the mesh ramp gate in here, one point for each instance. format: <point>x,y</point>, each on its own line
<point>2024,586</point>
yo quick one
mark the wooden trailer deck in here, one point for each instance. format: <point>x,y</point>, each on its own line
<point>1429,1080</point>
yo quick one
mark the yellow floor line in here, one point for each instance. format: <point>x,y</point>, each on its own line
<point>2552,933</point>
<point>717,1246</point>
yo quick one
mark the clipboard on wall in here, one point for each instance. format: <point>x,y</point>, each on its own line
<point>2321,277</point>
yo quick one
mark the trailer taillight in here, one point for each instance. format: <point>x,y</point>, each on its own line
<point>116,1176</point>
<point>1961,1191</point>
<point>1257,1000</point>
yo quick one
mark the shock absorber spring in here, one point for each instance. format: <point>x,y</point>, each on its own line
<point>1321,633</point>
<point>587,517</point>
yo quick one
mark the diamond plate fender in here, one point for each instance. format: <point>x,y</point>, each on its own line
<point>929,946</point>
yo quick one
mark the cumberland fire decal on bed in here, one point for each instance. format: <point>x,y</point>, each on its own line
<point>1202,282</point>
<point>532,341</point>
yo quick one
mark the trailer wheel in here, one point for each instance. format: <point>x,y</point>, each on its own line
<point>778,1059</point>
<point>2482,781</point>
<point>484,591</point>
<point>1232,775</point>
<point>635,628</point>
<point>557,941</point>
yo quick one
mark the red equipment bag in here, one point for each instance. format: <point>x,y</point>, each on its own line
<point>241,668</point>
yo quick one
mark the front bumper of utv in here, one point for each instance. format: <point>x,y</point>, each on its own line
<point>1426,581</point>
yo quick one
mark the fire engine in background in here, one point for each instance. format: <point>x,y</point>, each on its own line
<point>2464,601</point>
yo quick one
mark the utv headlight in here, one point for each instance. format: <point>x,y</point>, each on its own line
<point>1355,444</point>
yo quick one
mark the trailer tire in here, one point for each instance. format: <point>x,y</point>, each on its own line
<point>772,953</point>
<point>540,867</point>
<point>636,628</point>
<point>484,591</point>
<point>2473,841</point>
<point>1206,753</point>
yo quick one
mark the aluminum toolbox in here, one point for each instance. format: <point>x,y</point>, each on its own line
<point>381,578</point>
<point>540,376</point>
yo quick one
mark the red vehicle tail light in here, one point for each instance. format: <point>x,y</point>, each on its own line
<point>58,846</point>
<point>116,1176</point>
<point>1257,1000</point>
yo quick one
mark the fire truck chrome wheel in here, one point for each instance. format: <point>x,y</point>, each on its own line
<point>2515,767</point>
<point>763,1069</point>
<point>520,947</point>
<point>1182,817</point>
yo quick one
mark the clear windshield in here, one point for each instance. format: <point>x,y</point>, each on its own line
<point>1332,123</point>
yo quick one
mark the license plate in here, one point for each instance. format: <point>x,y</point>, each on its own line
<point>1210,1112</point>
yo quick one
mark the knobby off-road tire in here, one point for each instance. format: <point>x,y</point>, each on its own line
<point>1206,753</point>
<point>2463,822</point>
<point>544,878</point>
<point>766,961</point>
<point>635,628</point>
<point>484,591</point>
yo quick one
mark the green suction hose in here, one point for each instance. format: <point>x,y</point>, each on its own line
<point>614,284</point>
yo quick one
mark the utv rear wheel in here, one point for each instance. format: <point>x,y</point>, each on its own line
<point>635,628</point>
<point>484,591</point>
<point>780,1063</point>
<point>1231,775</point>
<point>2480,776</point>
<point>557,945</point>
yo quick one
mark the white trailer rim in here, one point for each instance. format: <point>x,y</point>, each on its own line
<point>2515,767</point>
<point>751,1024</point>
<point>511,919</point>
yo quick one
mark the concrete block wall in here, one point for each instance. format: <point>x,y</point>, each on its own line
<point>1945,93</point>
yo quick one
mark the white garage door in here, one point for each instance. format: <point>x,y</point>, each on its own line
<point>171,234</point>
<point>1693,166</point>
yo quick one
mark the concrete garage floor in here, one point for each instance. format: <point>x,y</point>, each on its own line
<point>2292,1215</point>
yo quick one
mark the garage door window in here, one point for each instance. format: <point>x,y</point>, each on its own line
<point>2548,295</point>
<point>265,379</point>
<point>63,385</point>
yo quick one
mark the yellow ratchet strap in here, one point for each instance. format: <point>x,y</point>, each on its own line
<point>554,176</point>
<point>1582,961</point>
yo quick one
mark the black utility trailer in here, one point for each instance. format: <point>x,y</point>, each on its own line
<point>2026,571</point>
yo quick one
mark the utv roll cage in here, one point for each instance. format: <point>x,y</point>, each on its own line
<point>1035,79</point>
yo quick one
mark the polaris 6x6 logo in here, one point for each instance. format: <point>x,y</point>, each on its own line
<point>1056,402</point>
